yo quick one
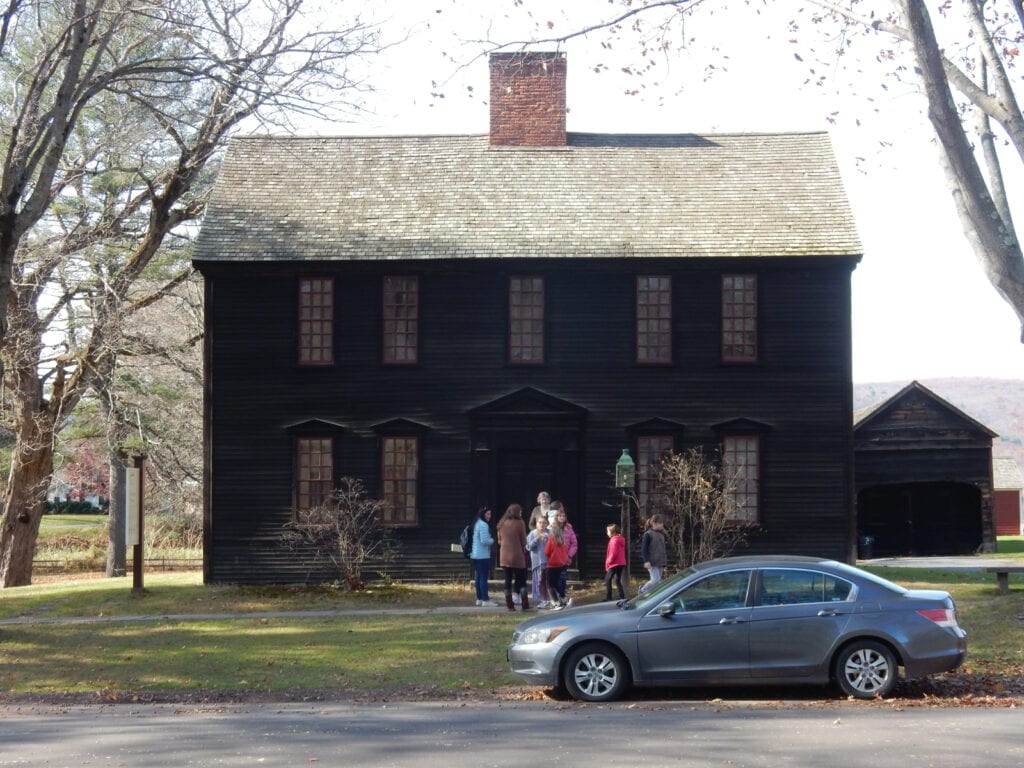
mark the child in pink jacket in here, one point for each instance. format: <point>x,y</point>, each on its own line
<point>614,561</point>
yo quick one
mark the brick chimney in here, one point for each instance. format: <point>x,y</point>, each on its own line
<point>528,99</point>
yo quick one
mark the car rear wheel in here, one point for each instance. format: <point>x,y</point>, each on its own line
<point>596,672</point>
<point>865,669</point>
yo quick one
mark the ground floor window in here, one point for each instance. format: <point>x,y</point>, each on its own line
<point>741,457</point>
<point>314,476</point>
<point>401,475</point>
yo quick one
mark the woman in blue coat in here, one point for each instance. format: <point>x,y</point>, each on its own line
<point>480,554</point>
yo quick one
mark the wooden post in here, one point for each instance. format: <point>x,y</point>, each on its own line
<point>134,519</point>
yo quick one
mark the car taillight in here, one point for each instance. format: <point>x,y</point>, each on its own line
<point>944,617</point>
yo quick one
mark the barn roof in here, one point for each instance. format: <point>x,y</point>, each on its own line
<point>459,197</point>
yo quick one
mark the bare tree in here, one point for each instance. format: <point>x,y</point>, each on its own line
<point>698,497</point>
<point>966,79</point>
<point>345,532</point>
<point>118,109</point>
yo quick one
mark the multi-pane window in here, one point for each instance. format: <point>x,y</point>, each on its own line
<point>654,319</point>
<point>742,464</point>
<point>739,318</point>
<point>401,319</point>
<point>316,321</point>
<point>401,474</point>
<point>526,319</point>
<point>650,451</point>
<point>314,471</point>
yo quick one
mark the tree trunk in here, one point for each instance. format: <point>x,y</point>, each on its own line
<point>24,504</point>
<point>117,558</point>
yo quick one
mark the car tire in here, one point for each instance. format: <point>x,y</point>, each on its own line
<point>596,672</point>
<point>866,669</point>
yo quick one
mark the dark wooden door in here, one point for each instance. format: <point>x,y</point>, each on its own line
<point>522,473</point>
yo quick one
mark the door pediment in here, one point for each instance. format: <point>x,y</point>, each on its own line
<point>527,406</point>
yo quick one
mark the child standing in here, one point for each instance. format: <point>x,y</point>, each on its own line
<point>614,561</point>
<point>557,552</point>
<point>538,561</point>
<point>652,549</point>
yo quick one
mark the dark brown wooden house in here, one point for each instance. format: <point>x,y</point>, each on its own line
<point>924,476</point>
<point>459,320</point>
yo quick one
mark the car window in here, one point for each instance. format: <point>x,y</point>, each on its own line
<point>716,592</point>
<point>784,586</point>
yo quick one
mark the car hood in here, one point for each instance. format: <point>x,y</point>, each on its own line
<point>555,617</point>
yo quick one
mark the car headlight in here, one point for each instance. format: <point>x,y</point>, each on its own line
<point>539,635</point>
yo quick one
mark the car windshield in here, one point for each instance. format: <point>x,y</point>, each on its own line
<point>655,594</point>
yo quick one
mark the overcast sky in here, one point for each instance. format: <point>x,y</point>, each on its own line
<point>922,308</point>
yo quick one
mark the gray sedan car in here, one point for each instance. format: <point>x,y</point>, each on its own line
<point>746,621</point>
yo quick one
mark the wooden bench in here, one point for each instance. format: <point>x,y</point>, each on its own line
<point>1002,573</point>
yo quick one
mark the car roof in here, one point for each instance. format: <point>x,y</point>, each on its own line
<point>757,561</point>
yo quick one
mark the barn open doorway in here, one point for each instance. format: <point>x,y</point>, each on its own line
<point>938,518</point>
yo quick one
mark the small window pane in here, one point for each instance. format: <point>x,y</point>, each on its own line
<point>316,321</point>
<point>314,471</point>
<point>526,319</point>
<point>654,319</point>
<point>401,319</point>
<point>739,318</point>
<point>741,460</point>
<point>650,451</point>
<point>400,473</point>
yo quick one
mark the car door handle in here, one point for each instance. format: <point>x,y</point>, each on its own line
<point>828,612</point>
<point>730,620</point>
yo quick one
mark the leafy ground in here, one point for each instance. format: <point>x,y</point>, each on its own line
<point>239,653</point>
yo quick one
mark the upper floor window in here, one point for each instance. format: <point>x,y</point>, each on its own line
<point>651,449</point>
<point>314,471</point>
<point>316,321</point>
<point>401,319</point>
<point>654,319</point>
<point>400,473</point>
<point>739,318</point>
<point>526,319</point>
<point>741,462</point>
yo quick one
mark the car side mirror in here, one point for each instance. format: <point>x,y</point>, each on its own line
<point>667,609</point>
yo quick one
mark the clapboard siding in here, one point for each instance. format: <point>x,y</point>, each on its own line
<point>800,390</point>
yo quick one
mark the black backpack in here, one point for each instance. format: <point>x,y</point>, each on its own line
<point>466,539</point>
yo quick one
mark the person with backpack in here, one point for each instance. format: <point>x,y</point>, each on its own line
<point>480,554</point>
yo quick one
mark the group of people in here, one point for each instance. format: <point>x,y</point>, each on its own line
<point>547,544</point>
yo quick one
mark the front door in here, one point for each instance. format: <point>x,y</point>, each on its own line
<point>522,474</point>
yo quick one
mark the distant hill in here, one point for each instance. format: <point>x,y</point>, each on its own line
<point>996,403</point>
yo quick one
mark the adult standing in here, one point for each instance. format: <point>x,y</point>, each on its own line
<point>541,510</point>
<point>480,554</point>
<point>512,555</point>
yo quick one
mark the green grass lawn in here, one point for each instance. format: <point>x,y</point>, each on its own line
<point>380,653</point>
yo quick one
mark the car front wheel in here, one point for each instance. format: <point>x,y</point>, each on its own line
<point>596,672</point>
<point>865,669</point>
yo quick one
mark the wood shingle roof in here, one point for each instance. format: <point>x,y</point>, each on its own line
<point>439,197</point>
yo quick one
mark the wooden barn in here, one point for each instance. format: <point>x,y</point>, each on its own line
<point>923,476</point>
<point>1008,482</point>
<point>470,319</point>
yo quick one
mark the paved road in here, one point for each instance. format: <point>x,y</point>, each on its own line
<point>646,734</point>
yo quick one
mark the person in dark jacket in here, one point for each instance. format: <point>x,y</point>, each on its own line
<point>652,550</point>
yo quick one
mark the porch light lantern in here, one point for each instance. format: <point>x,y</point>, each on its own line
<point>625,472</point>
